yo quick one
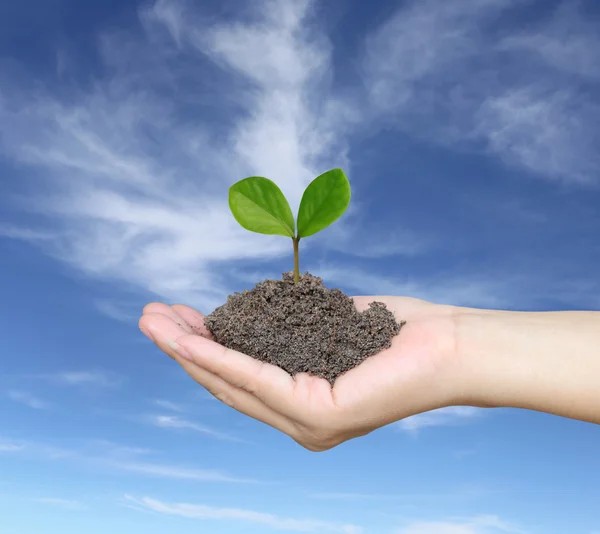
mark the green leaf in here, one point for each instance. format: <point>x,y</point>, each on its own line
<point>260,206</point>
<point>324,201</point>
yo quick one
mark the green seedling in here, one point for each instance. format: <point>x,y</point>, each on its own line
<point>260,206</point>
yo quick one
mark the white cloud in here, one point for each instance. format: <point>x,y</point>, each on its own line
<point>66,504</point>
<point>464,453</point>
<point>199,511</point>
<point>137,191</point>
<point>538,129</point>
<point>464,290</point>
<point>85,378</point>
<point>453,415</point>
<point>117,310</point>
<point>439,528</point>
<point>497,289</point>
<point>485,524</point>
<point>434,72</point>
<point>356,238</point>
<point>10,447</point>
<point>136,166</point>
<point>169,405</point>
<point>175,472</point>
<point>175,422</point>
<point>25,234</point>
<point>569,41</point>
<point>333,496</point>
<point>115,451</point>
<point>28,399</point>
<point>422,45</point>
<point>453,495</point>
<point>115,458</point>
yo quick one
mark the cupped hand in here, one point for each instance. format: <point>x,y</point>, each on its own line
<point>421,371</point>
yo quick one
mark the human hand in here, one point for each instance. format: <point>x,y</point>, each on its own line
<point>421,371</point>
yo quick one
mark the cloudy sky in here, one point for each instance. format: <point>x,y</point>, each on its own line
<point>470,132</point>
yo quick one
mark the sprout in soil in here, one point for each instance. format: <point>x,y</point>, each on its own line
<point>260,206</point>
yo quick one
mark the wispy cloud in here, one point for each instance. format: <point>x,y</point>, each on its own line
<point>135,173</point>
<point>176,472</point>
<point>117,310</point>
<point>568,41</point>
<point>28,399</point>
<point>355,496</point>
<point>199,511</point>
<point>454,494</point>
<point>41,450</point>
<point>485,524</point>
<point>434,72</point>
<point>465,290</point>
<point>453,415</point>
<point>429,41</point>
<point>66,504</point>
<point>168,405</point>
<point>114,451</point>
<point>542,129</point>
<point>499,290</point>
<point>116,458</point>
<point>465,453</point>
<point>175,422</point>
<point>146,186</point>
<point>10,447</point>
<point>92,377</point>
<point>25,234</point>
<point>358,239</point>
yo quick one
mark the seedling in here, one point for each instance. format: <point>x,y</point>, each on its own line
<point>260,206</point>
<point>320,330</point>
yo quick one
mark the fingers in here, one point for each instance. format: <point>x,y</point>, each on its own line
<point>192,317</point>
<point>189,319</point>
<point>269,383</point>
<point>236,398</point>
<point>163,329</point>
<point>170,312</point>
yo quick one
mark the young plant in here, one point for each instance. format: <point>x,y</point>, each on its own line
<point>260,206</point>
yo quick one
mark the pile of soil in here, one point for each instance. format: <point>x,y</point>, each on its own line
<point>302,327</point>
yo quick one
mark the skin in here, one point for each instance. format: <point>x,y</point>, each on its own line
<point>444,356</point>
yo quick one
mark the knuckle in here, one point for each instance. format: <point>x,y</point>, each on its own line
<point>246,386</point>
<point>253,384</point>
<point>245,382</point>
<point>224,397</point>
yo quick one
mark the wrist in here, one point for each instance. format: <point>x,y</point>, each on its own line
<point>488,379</point>
<point>544,361</point>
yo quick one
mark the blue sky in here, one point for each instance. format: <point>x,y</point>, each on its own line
<point>469,131</point>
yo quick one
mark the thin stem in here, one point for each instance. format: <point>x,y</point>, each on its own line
<point>296,240</point>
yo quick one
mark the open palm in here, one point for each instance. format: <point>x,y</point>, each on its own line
<point>419,372</point>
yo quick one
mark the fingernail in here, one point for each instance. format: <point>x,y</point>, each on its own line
<point>147,334</point>
<point>180,350</point>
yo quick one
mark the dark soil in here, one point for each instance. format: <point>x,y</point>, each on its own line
<point>302,327</point>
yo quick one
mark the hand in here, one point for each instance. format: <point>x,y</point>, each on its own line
<point>420,372</point>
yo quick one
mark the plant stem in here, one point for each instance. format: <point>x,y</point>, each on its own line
<point>296,240</point>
